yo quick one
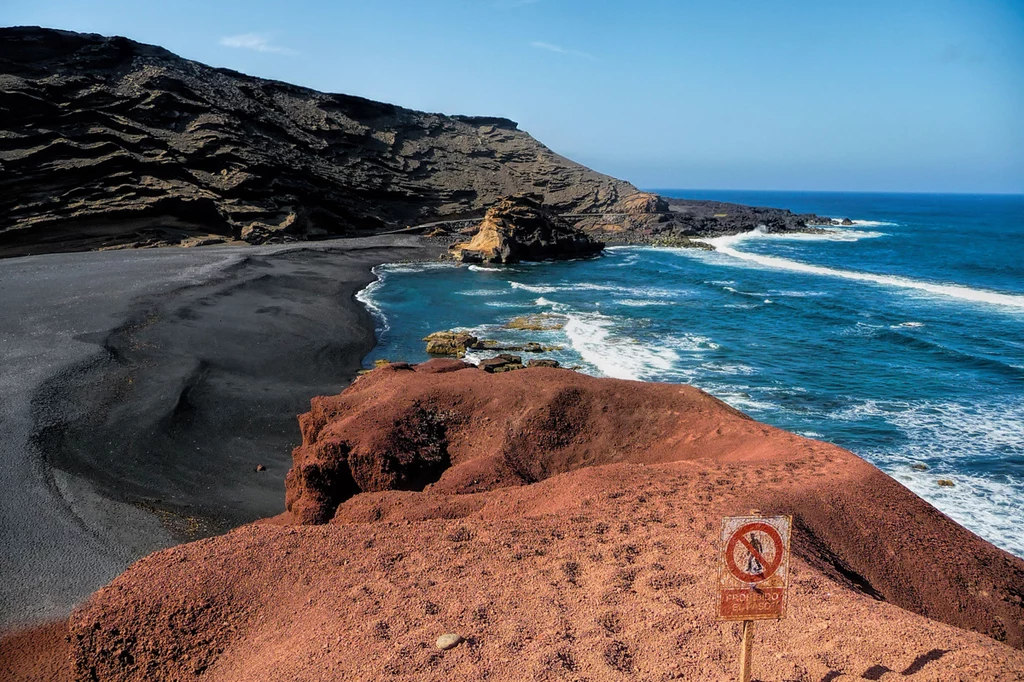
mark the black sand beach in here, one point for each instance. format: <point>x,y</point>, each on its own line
<point>139,390</point>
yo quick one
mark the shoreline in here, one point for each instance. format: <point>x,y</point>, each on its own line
<point>144,387</point>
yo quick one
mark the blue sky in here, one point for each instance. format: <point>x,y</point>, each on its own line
<point>861,96</point>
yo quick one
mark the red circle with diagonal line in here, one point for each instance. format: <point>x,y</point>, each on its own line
<point>739,536</point>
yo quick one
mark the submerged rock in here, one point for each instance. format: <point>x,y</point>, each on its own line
<point>518,228</point>
<point>534,347</point>
<point>539,322</point>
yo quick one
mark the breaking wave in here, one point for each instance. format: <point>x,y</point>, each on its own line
<point>727,246</point>
<point>593,336</point>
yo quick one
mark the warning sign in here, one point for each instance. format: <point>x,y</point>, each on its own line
<point>753,573</point>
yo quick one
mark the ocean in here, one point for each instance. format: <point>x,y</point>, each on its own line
<point>900,338</point>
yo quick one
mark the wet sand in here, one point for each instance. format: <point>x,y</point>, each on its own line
<point>139,390</point>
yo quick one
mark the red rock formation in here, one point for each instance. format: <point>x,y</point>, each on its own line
<point>458,430</point>
<point>566,526</point>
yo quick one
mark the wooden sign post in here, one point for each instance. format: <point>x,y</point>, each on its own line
<point>753,575</point>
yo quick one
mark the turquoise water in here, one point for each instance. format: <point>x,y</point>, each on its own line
<point>900,338</point>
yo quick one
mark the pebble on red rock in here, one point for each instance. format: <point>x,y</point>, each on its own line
<point>448,641</point>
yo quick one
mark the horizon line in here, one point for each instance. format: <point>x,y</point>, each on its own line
<point>831,191</point>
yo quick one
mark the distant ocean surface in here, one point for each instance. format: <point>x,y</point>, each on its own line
<point>900,338</point>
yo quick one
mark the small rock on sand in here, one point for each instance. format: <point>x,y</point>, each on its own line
<point>448,641</point>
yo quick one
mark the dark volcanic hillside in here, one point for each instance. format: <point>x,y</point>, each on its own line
<point>105,140</point>
<point>108,142</point>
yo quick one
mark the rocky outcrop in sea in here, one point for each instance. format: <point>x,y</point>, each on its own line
<point>518,228</point>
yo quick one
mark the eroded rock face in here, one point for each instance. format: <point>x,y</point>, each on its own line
<point>518,229</point>
<point>110,142</point>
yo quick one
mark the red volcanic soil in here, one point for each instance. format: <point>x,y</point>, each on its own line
<point>567,528</point>
<point>38,653</point>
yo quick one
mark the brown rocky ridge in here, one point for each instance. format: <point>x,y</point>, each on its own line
<point>106,142</point>
<point>517,229</point>
<point>563,527</point>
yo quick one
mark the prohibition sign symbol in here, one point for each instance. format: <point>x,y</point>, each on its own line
<point>740,536</point>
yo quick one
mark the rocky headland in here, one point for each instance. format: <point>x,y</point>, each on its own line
<point>109,143</point>
<point>447,523</point>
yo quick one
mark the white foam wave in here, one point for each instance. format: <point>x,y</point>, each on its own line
<point>480,268</point>
<point>831,234</point>
<point>755,294</point>
<point>736,397</point>
<point>629,260</point>
<point>415,267</point>
<point>689,343</point>
<point>507,304</point>
<point>861,329</point>
<point>799,294</point>
<point>953,430</point>
<point>872,223</point>
<point>534,288</point>
<point>638,292</point>
<point>553,305</point>
<point>593,336</point>
<point>653,292</point>
<point>590,286</point>
<point>640,302</point>
<point>908,324</point>
<point>950,436</point>
<point>727,246</point>
<point>734,369</point>
<point>366,297</point>
<point>483,292</point>
<point>991,508</point>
